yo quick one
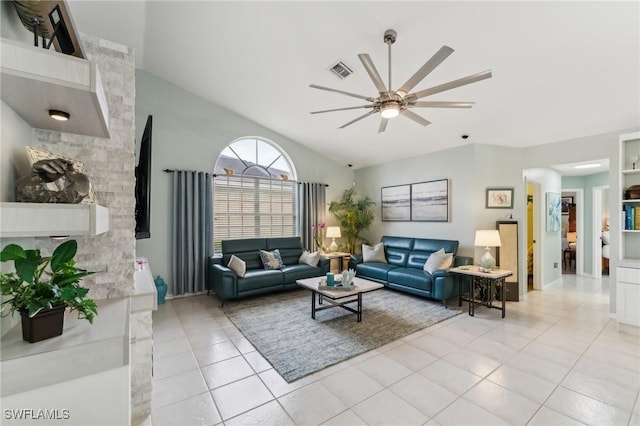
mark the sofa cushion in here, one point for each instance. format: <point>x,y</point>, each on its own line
<point>298,272</point>
<point>423,247</point>
<point>290,248</point>
<point>237,265</point>
<point>397,249</point>
<point>375,270</point>
<point>373,254</point>
<point>271,259</point>
<point>260,278</point>
<point>410,277</point>
<point>310,259</point>
<point>438,260</point>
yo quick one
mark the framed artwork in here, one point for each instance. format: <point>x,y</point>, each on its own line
<point>554,205</point>
<point>430,201</point>
<point>396,203</point>
<point>35,154</point>
<point>499,198</point>
<point>566,203</point>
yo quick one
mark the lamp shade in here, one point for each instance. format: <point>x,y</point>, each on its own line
<point>333,232</point>
<point>487,238</point>
<point>572,237</point>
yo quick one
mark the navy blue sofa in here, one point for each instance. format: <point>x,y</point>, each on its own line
<point>403,271</point>
<point>257,280</point>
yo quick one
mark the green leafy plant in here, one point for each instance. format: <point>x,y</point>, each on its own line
<point>354,215</point>
<point>34,288</point>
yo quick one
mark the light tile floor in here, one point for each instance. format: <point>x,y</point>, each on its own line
<point>556,359</point>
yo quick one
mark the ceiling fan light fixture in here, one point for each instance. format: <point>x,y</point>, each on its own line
<point>390,110</point>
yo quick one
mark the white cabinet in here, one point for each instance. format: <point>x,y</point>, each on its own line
<point>35,80</point>
<point>628,270</point>
<point>628,296</point>
<point>52,220</point>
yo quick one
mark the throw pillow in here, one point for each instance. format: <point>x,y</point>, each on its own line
<point>271,259</point>
<point>310,259</point>
<point>373,254</point>
<point>438,260</point>
<point>237,265</point>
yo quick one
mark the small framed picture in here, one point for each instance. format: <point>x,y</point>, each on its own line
<point>499,198</point>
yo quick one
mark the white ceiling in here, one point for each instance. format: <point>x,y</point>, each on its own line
<point>561,70</point>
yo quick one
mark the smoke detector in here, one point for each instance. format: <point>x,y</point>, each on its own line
<point>341,69</point>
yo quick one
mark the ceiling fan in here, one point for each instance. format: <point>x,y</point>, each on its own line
<point>391,103</point>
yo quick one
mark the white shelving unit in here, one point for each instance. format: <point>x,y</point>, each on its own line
<point>34,80</point>
<point>52,220</point>
<point>628,269</point>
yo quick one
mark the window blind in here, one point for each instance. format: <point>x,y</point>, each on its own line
<point>252,207</point>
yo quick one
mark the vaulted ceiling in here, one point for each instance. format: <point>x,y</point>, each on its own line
<point>561,70</point>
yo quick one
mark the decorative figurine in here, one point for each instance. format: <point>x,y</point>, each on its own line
<point>53,181</point>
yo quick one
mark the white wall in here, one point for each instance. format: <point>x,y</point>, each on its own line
<point>456,165</point>
<point>189,133</point>
<point>15,135</point>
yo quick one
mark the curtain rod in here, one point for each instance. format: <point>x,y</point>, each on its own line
<point>216,175</point>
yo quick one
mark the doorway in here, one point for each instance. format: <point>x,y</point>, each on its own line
<point>533,231</point>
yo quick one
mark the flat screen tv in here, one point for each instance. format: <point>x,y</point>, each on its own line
<point>143,184</point>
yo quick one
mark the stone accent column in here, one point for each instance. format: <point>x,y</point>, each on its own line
<point>110,164</point>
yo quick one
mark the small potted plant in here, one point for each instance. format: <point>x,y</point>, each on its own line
<point>40,295</point>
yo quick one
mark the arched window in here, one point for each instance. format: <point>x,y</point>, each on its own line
<point>254,192</point>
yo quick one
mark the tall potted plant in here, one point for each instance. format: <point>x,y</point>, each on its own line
<point>40,295</point>
<point>354,215</point>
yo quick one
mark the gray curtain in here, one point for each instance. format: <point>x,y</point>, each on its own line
<point>312,210</point>
<point>191,231</point>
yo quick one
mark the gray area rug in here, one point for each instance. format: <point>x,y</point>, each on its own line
<point>280,327</point>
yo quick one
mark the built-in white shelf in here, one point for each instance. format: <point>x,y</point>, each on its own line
<point>83,349</point>
<point>631,172</point>
<point>35,80</point>
<point>52,220</point>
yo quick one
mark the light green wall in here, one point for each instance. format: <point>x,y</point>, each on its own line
<point>189,133</point>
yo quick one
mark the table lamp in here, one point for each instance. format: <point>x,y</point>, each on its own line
<point>487,238</point>
<point>572,237</point>
<point>333,232</point>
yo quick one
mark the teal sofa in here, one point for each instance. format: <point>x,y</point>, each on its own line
<point>257,280</point>
<point>403,271</point>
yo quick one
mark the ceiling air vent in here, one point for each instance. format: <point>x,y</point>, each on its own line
<point>341,70</point>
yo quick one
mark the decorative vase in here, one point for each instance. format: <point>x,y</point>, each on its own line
<point>161,286</point>
<point>45,324</point>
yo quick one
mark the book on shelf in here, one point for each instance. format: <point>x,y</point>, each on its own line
<point>631,217</point>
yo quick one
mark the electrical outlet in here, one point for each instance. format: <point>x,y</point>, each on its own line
<point>555,265</point>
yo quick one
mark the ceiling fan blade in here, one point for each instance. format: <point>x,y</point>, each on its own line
<point>415,117</point>
<point>452,84</point>
<point>342,109</point>
<point>383,125</point>
<point>357,119</point>
<point>373,73</point>
<point>328,89</point>
<point>424,71</point>
<point>443,104</point>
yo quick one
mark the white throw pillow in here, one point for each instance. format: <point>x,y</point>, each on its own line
<point>373,254</point>
<point>310,259</point>
<point>237,265</point>
<point>438,260</point>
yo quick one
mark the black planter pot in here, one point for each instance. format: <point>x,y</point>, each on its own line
<point>45,324</point>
